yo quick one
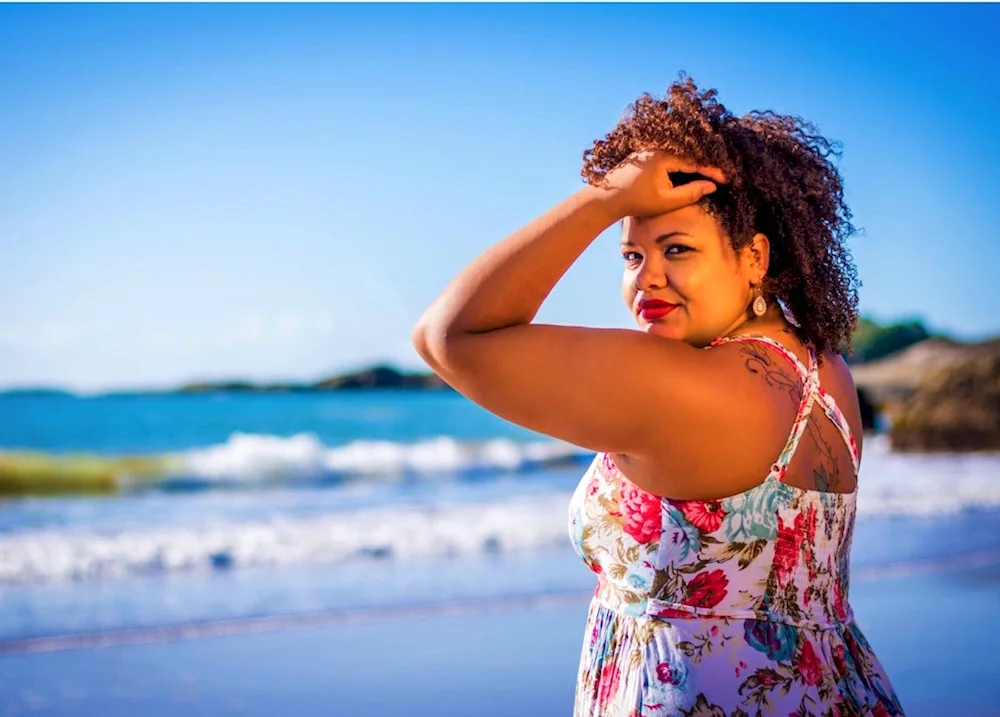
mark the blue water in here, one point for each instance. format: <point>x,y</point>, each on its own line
<point>136,423</point>
<point>319,503</point>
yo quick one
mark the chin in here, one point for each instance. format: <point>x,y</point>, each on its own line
<point>667,332</point>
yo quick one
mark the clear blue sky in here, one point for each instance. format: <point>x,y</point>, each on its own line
<point>277,191</point>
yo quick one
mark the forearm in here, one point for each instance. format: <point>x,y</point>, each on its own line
<point>507,284</point>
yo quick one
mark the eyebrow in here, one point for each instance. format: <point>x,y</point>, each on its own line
<point>662,238</point>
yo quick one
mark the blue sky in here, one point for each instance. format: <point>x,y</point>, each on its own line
<point>276,192</point>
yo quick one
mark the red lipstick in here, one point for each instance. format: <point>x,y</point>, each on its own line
<point>652,309</point>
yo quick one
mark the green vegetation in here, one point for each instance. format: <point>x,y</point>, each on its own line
<point>27,473</point>
<point>873,341</point>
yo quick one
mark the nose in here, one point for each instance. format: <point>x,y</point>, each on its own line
<point>649,277</point>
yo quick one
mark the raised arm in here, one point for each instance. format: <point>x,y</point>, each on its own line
<point>601,389</point>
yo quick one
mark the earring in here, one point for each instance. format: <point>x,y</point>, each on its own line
<point>759,305</point>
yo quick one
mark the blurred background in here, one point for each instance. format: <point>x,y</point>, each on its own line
<point>228,485</point>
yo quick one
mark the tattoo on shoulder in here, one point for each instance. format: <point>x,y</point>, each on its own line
<point>826,478</point>
<point>758,361</point>
<point>823,481</point>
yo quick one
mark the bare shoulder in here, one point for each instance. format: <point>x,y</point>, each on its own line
<point>755,393</point>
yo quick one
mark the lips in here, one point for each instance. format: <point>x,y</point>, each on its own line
<point>652,309</point>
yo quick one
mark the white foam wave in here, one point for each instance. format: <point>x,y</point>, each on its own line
<point>891,484</point>
<point>392,533</point>
<point>252,457</point>
<point>922,485</point>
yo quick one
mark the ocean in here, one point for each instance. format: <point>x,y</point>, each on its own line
<point>285,510</point>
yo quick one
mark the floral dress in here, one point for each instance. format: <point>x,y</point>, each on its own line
<point>736,606</point>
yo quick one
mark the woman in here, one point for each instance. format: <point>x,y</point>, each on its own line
<point>719,509</point>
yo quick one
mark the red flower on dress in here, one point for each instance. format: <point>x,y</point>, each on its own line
<point>768,678</point>
<point>839,660</point>
<point>643,513</point>
<point>706,589</point>
<point>607,685</point>
<point>880,711</point>
<point>705,515</point>
<point>809,665</point>
<point>787,547</point>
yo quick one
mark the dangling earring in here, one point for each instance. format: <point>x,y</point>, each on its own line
<point>759,305</point>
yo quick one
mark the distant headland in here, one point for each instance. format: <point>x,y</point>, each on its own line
<point>374,377</point>
<point>933,393</point>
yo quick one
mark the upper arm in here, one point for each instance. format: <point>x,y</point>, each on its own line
<point>614,390</point>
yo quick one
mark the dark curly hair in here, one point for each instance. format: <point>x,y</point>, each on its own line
<point>781,184</point>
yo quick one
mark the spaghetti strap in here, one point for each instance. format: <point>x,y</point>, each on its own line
<point>837,418</point>
<point>812,393</point>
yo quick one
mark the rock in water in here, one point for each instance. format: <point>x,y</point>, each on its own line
<point>957,408</point>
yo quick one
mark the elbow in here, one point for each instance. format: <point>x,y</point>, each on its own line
<point>429,340</point>
<point>441,347</point>
<point>419,337</point>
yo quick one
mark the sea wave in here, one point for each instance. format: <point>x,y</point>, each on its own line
<point>398,534</point>
<point>924,485</point>
<point>249,458</point>
<point>444,523</point>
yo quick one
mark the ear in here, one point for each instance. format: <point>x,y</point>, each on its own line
<point>758,257</point>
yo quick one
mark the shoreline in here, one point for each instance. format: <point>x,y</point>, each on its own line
<point>429,609</point>
<point>518,660</point>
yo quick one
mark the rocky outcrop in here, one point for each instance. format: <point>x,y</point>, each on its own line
<point>381,377</point>
<point>955,407</point>
<point>374,377</point>
<point>895,378</point>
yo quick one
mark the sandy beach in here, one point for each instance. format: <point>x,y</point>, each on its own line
<point>933,625</point>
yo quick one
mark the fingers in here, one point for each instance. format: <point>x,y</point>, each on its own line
<point>679,197</point>
<point>676,164</point>
<point>713,173</point>
<point>691,193</point>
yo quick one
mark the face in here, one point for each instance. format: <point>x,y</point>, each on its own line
<point>684,258</point>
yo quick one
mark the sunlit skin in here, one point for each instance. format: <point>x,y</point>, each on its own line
<point>684,257</point>
<point>621,391</point>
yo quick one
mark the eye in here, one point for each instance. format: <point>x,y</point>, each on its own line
<point>631,256</point>
<point>681,249</point>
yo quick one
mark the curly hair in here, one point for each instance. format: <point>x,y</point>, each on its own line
<point>781,183</point>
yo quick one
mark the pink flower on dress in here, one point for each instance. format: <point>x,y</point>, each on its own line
<point>705,515</point>
<point>643,513</point>
<point>809,665</point>
<point>838,600</point>
<point>607,685</point>
<point>665,673</point>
